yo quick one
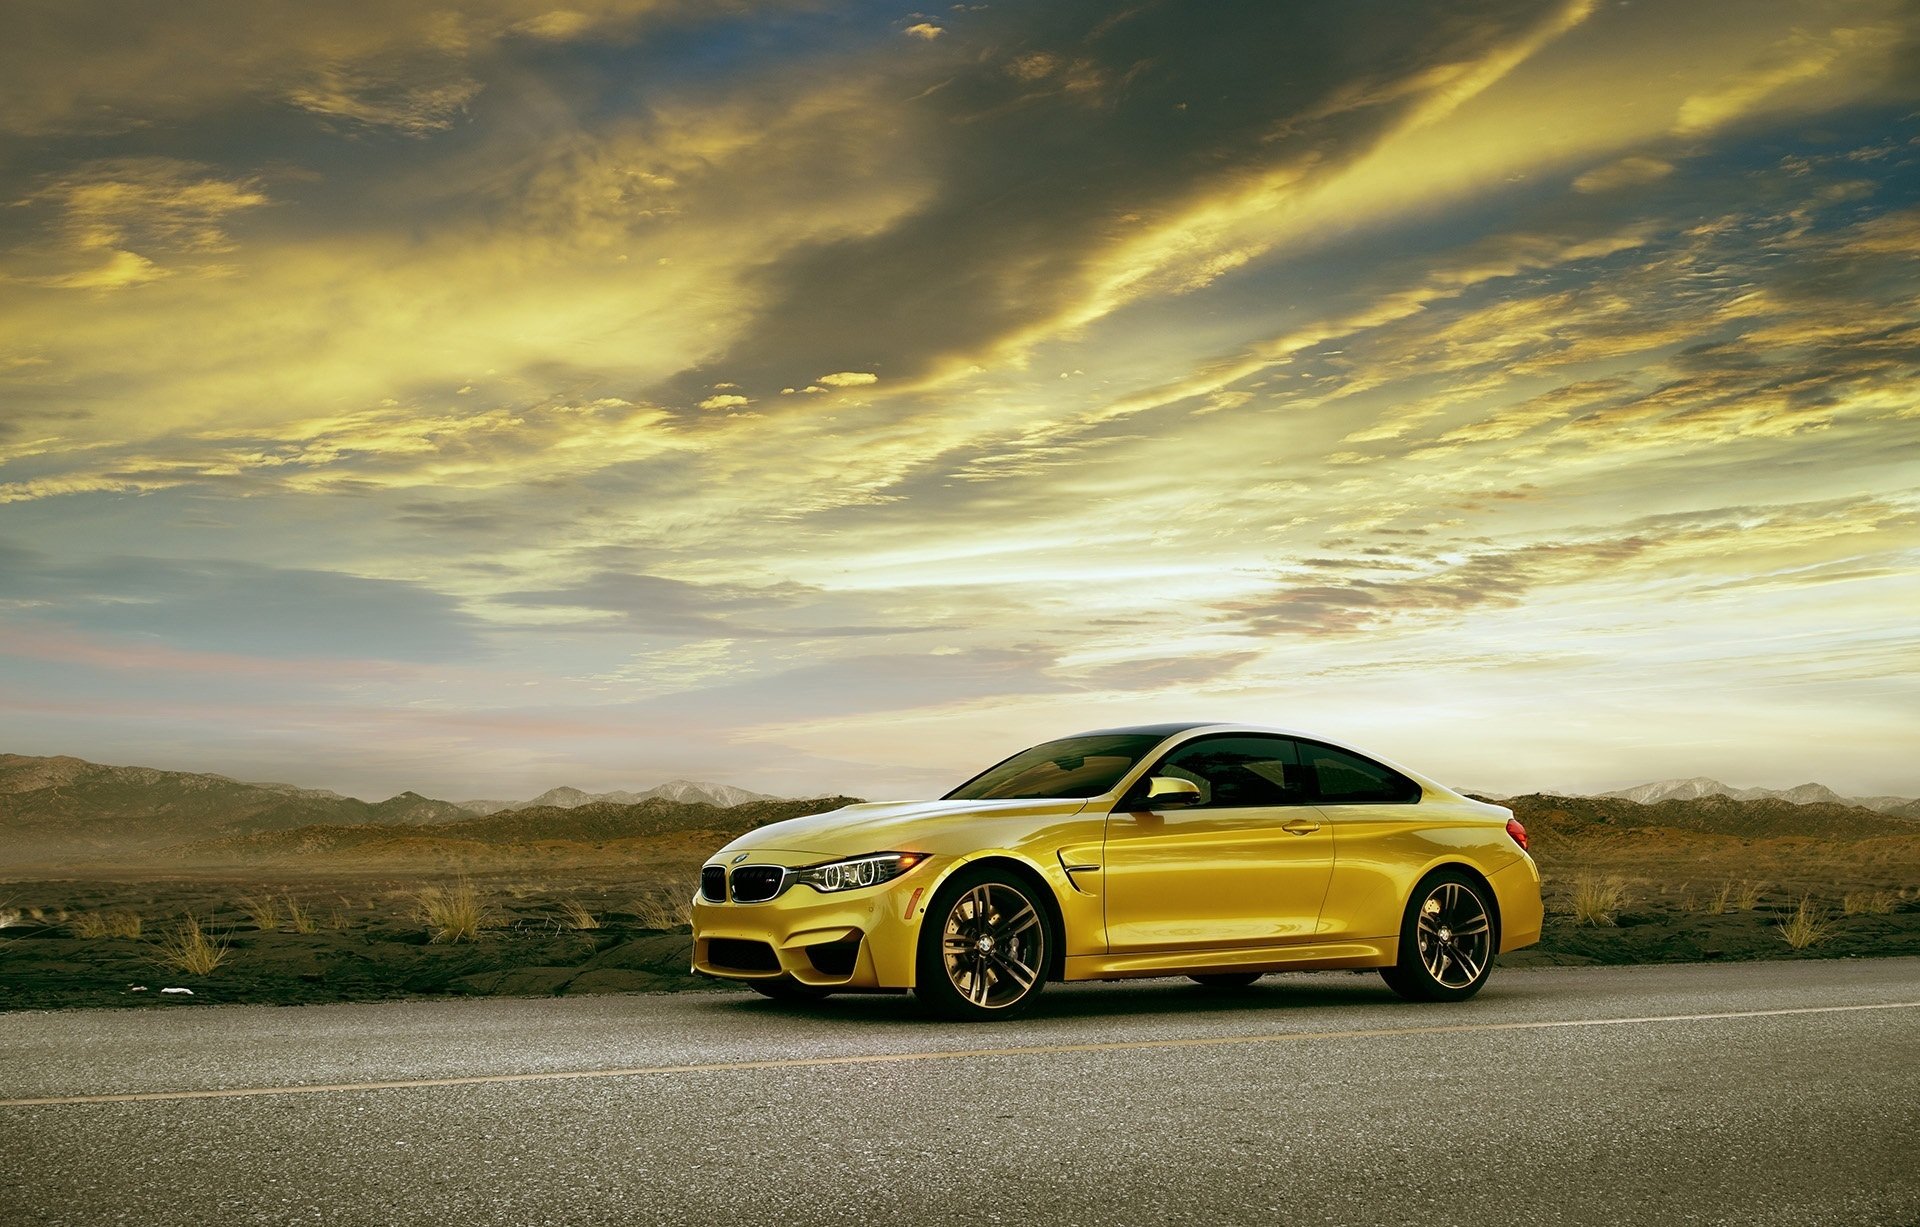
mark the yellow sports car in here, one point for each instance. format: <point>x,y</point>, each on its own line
<point>1214,851</point>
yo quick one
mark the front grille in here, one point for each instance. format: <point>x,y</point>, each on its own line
<point>834,958</point>
<point>713,883</point>
<point>738,955</point>
<point>756,883</point>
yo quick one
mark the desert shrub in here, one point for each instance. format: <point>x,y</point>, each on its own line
<point>454,913</point>
<point>106,924</point>
<point>663,909</point>
<point>263,910</point>
<point>1596,900</point>
<point>1808,925</point>
<point>10,916</point>
<point>299,919</point>
<point>191,949</point>
<point>1740,896</point>
<point>1868,902</point>
<point>574,915</point>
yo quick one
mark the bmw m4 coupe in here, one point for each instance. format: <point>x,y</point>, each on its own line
<point>1219,852</point>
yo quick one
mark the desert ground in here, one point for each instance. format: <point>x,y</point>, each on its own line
<point>600,904</point>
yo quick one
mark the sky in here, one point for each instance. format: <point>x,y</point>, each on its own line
<point>838,397</point>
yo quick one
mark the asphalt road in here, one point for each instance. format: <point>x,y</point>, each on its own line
<point>1746,1093</point>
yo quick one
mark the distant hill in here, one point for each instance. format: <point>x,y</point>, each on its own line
<point>1709,813</point>
<point>685,791</point>
<point>1802,794</point>
<point>597,832</point>
<point>62,808</point>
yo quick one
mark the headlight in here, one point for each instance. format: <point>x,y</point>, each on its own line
<point>857,871</point>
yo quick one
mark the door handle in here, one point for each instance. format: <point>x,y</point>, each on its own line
<point>1300,826</point>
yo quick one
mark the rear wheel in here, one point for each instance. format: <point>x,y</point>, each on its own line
<point>1226,979</point>
<point>984,947</point>
<point>786,988</point>
<point>1447,940</point>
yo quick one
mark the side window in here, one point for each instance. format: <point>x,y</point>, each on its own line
<point>1338,777</point>
<point>1238,771</point>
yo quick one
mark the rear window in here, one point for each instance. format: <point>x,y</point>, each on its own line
<point>1339,778</point>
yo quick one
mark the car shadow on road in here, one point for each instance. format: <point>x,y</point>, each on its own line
<point>1164,998</point>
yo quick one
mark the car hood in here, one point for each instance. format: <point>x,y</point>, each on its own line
<point>906,826</point>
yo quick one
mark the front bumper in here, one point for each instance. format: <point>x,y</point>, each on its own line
<point>865,938</point>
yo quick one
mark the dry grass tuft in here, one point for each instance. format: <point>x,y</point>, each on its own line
<point>1869,903</point>
<point>574,915</point>
<point>1596,900</point>
<point>454,913</point>
<point>1809,924</point>
<point>299,919</point>
<point>263,910</point>
<point>10,915</point>
<point>91,925</point>
<point>663,909</point>
<point>1740,896</point>
<point>190,949</point>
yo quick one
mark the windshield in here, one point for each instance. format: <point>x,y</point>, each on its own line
<point>1070,767</point>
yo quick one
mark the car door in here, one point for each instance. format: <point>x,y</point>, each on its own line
<point>1247,866</point>
<point>1375,816</point>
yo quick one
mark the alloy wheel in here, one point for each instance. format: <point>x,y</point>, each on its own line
<point>1455,935</point>
<point>993,946</point>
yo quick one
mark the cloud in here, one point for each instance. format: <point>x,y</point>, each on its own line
<point>413,107</point>
<point>236,608</point>
<point>925,30</point>
<point>1381,592</point>
<point>849,379</point>
<point>1797,60</point>
<point>390,446</point>
<point>1631,171</point>
<point>657,605</point>
<point>1042,191</point>
<point>109,223</point>
<point>724,401</point>
<point>356,59</point>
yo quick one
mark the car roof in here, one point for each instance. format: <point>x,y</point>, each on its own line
<point>1150,730</point>
<point>1174,728</point>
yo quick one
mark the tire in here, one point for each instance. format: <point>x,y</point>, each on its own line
<point>1226,979</point>
<point>1448,938</point>
<point>789,990</point>
<point>985,947</point>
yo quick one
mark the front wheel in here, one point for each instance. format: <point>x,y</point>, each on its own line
<point>788,989</point>
<point>1447,940</point>
<point>984,947</point>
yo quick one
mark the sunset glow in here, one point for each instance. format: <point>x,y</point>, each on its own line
<point>837,398</point>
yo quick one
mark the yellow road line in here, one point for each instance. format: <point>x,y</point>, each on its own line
<point>882,1058</point>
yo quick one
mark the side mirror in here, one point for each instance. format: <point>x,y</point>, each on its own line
<point>1167,792</point>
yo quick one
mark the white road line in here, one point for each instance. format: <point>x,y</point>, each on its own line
<point>882,1058</point>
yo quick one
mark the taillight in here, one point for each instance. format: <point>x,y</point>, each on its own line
<point>1518,832</point>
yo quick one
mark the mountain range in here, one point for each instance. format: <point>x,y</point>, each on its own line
<point>687,792</point>
<point>1699,786</point>
<point>65,810</point>
<point>61,808</point>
